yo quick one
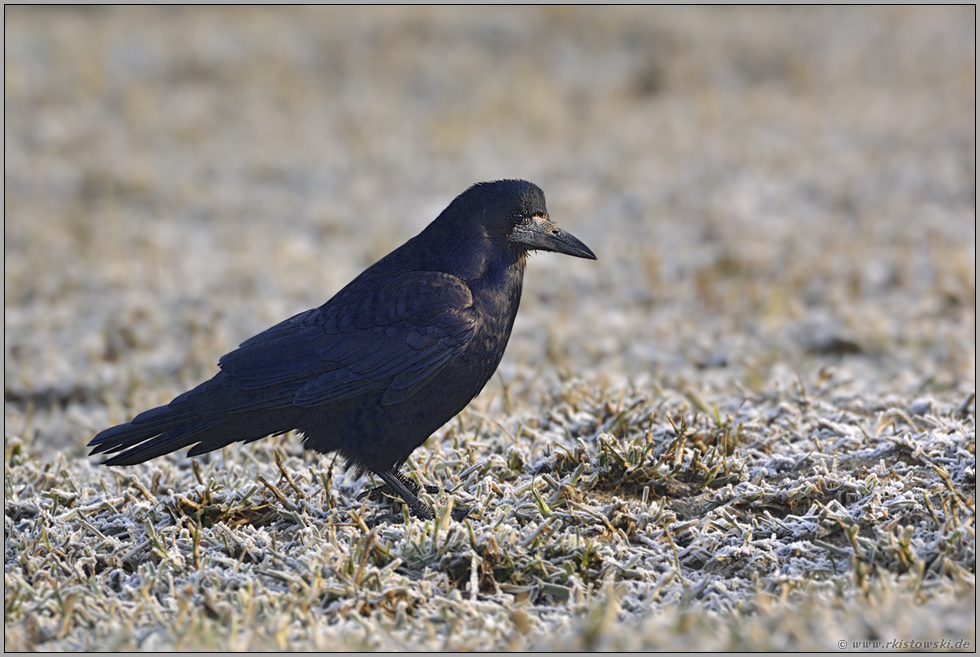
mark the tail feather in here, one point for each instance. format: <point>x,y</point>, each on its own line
<point>210,416</point>
<point>132,433</point>
<point>137,444</point>
<point>139,449</point>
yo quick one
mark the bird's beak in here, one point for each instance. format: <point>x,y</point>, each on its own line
<point>539,232</point>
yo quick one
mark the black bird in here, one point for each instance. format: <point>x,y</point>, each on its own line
<point>384,363</point>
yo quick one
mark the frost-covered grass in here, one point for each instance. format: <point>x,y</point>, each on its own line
<point>749,425</point>
<point>602,511</point>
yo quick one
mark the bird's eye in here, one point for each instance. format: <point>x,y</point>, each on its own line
<point>518,215</point>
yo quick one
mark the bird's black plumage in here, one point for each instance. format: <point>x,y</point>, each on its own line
<point>388,360</point>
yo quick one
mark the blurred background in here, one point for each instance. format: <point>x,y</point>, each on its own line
<point>771,191</point>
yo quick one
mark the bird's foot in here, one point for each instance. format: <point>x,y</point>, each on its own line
<point>379,493</point>
<point>397,486</point>
<point>425,512</point>
<point>385,519</point>
<point>459,514</point>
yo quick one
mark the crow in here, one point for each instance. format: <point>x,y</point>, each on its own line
<point>389,359</point>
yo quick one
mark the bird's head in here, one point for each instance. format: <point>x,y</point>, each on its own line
<point>515,211</point>
<point>490,227</point>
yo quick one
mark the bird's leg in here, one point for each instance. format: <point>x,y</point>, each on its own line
<point>378,493</point>
<point>398,484</point>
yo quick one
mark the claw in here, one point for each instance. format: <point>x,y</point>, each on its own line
<point>396,486</point>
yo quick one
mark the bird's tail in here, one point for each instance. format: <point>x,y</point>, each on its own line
<point>211,415</point>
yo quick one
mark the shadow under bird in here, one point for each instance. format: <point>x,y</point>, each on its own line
<point>389,359</point>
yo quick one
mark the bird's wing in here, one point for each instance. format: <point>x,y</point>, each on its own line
<point>394,335</point>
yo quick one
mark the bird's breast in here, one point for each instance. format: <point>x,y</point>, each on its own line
<point>495,301</point>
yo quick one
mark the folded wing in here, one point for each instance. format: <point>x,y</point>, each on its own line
<point>396,336</point>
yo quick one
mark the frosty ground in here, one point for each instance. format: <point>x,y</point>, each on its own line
<point>749,425</point>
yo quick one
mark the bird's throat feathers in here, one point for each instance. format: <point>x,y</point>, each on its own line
<point>505,279</point>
